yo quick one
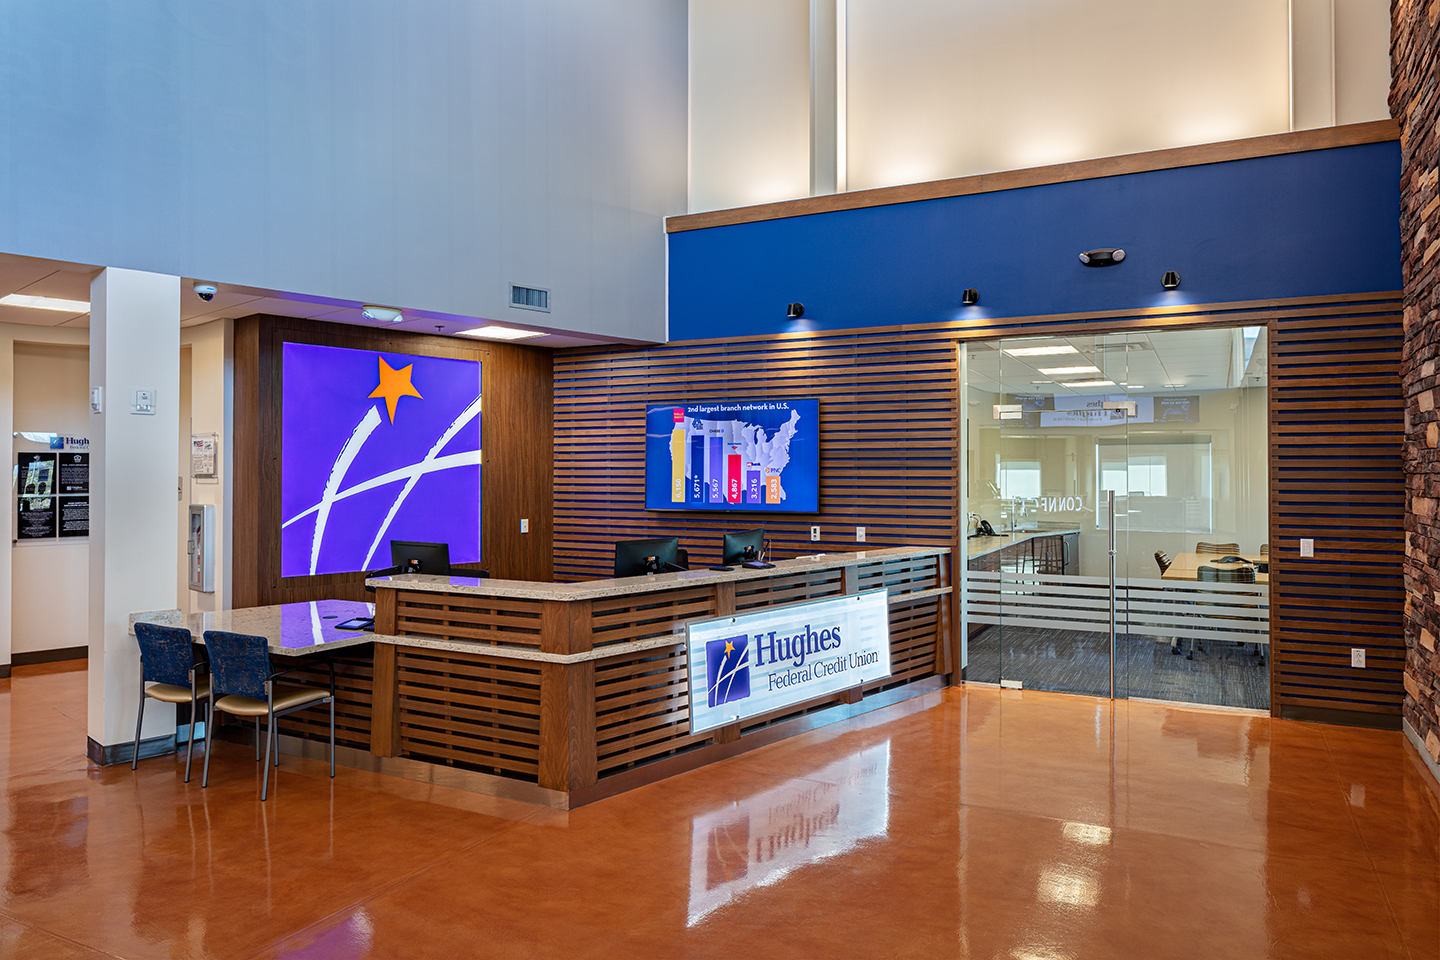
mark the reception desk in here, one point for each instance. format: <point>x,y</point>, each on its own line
<point>563,693</point>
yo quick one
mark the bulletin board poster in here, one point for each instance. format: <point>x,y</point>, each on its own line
<point>37,506</point>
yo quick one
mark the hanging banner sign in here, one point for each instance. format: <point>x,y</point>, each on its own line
<point>755,663</point>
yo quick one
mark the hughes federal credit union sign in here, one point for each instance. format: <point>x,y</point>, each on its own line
<point>753,663</point>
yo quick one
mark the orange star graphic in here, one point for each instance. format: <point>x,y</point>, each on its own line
<point>729,648</point>
<point>394,384</point>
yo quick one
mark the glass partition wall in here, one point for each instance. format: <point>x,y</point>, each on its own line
<point>1116,490</point>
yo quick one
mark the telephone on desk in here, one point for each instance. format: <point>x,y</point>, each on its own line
<point>983,529</point>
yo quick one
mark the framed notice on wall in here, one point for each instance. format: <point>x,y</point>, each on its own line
<point>36,503</point>
<point>52,495</point>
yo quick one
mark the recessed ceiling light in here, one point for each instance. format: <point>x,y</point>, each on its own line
<point>1040,351</point>
<point>495,332</point>
<point>1042,381</point>
<point>1089,383</point>
<point>1056,371</point>
<point>46,303</point>
<point>381,314</point>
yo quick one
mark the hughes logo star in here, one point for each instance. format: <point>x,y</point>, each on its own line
<point>727,670</point>
<point>394,384</point>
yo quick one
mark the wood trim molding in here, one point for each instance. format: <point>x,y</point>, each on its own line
<point>1299,141</point>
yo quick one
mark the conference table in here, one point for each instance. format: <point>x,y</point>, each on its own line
<point>1186,566</point>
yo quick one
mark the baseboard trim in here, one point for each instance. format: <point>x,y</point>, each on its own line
<point>31,657</point>
<point>1413,736</point>
<point>108,756</point>
<point>1343,718</point>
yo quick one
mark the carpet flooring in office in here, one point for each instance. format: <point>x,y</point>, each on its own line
<point>1078,661</point>
<point>969,822</point>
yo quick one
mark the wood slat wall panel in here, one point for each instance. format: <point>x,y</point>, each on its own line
<point>471,618</point>
<point>479,713</point>
<point>354,692</point>
<point>1337,421</point>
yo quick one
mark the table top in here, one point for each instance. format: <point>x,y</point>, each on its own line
<point>598,589</point>
<point>291,628</point>
<point>1186,565</point>
<point>979,546</point>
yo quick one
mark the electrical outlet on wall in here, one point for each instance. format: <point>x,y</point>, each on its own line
<point>814,533</point>
<point>1357,657</point>
<point>859,534</point>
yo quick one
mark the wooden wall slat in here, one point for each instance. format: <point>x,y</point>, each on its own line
<point>1337,421</point>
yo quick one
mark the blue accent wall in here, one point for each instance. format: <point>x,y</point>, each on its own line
<point>1307,224</point>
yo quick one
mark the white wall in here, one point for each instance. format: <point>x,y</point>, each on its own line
<point>422,155</point>
<point>753,147</point>
<point>947,88</point>
<point>50,578</point>
<point>15,337</point>
<point>207,381</point>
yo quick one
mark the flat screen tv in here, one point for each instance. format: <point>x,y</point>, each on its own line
<point>751,456</point>
<point>376,446</point>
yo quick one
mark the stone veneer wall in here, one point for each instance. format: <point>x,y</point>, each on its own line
<point>1415,102</point>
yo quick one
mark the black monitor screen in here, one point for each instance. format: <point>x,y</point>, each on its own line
<point>434,557</point>
<point>634,557</point>
<point>738,547</point>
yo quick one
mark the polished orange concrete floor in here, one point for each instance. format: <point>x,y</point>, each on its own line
<point>969,823</point>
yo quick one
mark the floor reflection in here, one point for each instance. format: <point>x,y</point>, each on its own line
<point>758,841</point>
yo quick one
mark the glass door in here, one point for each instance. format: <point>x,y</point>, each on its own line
<point>1098,471</point>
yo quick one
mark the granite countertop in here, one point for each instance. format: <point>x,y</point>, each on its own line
<point>597,589</point>
<point>979,546</point>
<point>291,628</point>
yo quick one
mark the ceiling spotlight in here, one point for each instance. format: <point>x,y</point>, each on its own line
<point>1102,257</point>
<point>795,310</point>
<point>1171,280</point>
<point>970,297</point>
<point>205,291</point>
<point>381,314</point>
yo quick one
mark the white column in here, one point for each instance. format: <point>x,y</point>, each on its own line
<point>134,475</point>
<point>827,96</point>
<point>7,425</point>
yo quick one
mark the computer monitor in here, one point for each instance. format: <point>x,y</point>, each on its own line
<point>432,557</point>
<point>739,547</point>
<point>655,555</point>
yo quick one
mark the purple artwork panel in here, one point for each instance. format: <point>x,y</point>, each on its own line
<point>376,447</point>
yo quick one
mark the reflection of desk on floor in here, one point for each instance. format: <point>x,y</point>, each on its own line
<point>1186,566</point>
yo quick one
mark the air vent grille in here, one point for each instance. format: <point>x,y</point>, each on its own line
<point>529,298</point>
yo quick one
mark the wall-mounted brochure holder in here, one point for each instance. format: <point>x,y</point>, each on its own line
<point>204,456</point>
<point>201,548</point>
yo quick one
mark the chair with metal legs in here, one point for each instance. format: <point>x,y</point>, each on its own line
<point>246,685</point>
<point>169,663</point>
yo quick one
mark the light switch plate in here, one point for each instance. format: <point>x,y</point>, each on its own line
<point>859,534</point>
<point>1357,657</point>
<point>814,533</point>
<point>1307,547</point>
<point>524,526</point>
<point>142,401</point>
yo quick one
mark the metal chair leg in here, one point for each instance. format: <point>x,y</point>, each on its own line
<point>257,738</point>
<point>275,733</point>
<point>135,754</point>
<point>265,770</point>
<point>190,750</point>
<point>205,777</point>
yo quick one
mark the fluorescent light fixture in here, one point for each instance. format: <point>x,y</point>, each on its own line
<point>46,303</point>
<point>1040,351</point>
<point>1089,383</point>
<point>1042,381</point>
<point>496,332</point>
<point>1055,371</point>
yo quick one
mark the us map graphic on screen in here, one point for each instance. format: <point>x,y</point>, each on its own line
<point>733,455</point>
<point>375,447</point>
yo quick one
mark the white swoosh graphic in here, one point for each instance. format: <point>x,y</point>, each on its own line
<point>348,453</point>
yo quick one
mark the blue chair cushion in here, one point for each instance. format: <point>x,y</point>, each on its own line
<point>166,654</point>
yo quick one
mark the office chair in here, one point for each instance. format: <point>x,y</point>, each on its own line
<point>168,660</point>
<point>245,686</point>
<point>1217,548</point>
<point>1163,561</point>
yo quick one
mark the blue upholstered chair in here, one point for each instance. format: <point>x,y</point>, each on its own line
<point>245,685</point>
<point>169,663</point>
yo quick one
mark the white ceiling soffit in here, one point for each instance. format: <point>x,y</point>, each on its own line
<point>37,277</point>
